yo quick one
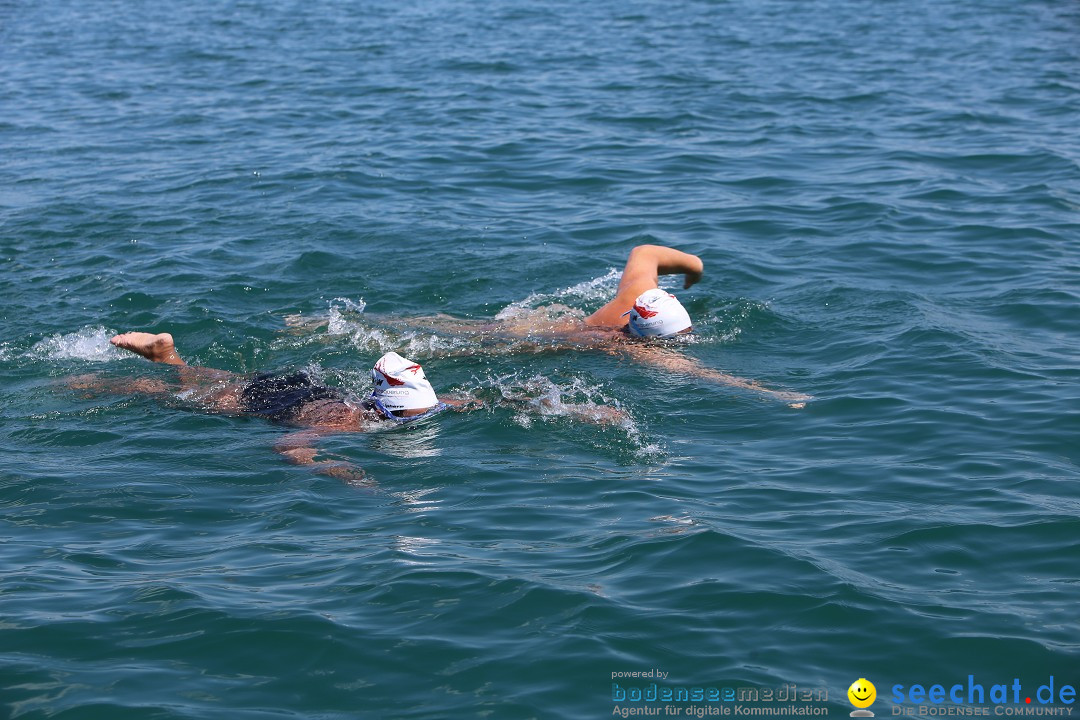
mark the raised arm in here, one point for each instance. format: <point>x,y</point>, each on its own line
<point>642,272</point>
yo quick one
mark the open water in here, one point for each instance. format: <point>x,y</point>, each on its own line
<point>885,195</point>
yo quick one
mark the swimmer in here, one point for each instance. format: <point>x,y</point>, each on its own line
<point>401,394</point>
<point>628,325</point>
<point>640,309</point>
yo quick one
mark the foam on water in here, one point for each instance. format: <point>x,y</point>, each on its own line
<point>347,318</point>
<point>901,244</point>
<point>410,343</point>
<point>537,397</point>
<point>337,323</point>
<point>91,344</point>
<point>589,291</point>
<point>539,316</point>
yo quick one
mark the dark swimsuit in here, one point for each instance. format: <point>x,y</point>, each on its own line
<point>281,397</point>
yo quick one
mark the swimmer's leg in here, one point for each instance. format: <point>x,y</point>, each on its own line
<point>441,322</point>
<point>219,387</point>
<point>94,385</point>
<point>156,348</point>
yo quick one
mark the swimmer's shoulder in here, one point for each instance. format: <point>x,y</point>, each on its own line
<point>587,335</point>
<point>336,415</point>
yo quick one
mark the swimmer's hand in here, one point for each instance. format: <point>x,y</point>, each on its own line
<point>299,324</point>
<point>523,402</point>
<point>693,277</point>
<point>671,361</point>
<point>347,472</point>
<point>462,403</point>
<point>596,414</point>
<point>546,406</point>
<point>297,448</point>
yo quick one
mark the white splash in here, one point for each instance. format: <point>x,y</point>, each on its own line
<point>539,398</point>
<point>346,318</point>
<point>87,344</point>
<point>599,288</point>
<point>337,323</point>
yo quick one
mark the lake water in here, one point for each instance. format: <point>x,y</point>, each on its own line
<point>885,196</point>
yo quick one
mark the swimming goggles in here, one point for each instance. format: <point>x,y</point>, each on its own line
<point>389,415</point>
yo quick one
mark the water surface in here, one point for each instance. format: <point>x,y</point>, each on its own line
<point>885,197</point>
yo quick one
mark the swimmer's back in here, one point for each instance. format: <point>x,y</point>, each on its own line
<point>281,398</point>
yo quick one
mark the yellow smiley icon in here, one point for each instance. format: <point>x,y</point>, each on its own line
<point>862,693</point>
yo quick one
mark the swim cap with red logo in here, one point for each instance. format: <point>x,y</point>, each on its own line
<point>657,314</point>
<point>400,384</point>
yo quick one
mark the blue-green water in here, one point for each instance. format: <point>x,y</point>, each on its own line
<point>885,196</point>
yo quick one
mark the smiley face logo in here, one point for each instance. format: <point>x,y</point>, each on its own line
<point>862,694</point>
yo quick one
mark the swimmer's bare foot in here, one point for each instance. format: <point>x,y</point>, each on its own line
<point>158,348</point>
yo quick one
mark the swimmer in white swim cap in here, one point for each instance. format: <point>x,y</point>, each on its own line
<point>631,324</point>
<point>643,310</point>
<point>658,314</point>
<point>400,391</point>
<point>640,306</point>
<point>400,394</point>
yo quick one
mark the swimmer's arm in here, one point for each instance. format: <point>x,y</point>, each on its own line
<point>675,362</point>
<point>642,272</point>
<point>298,448</point>
<point>462,402</point>
<point>299,324</point>
<point>594,414</point>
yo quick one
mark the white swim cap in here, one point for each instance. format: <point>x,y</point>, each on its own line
<point>657,314</point>
<point>400,384</point>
